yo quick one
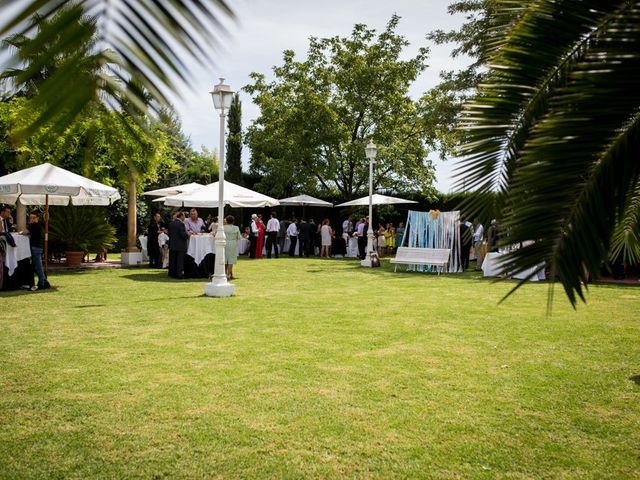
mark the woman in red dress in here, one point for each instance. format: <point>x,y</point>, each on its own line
<point>260,241</point>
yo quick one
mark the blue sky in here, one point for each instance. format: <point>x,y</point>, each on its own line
<point>264,29</point>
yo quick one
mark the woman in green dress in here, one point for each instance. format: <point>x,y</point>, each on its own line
<point>232,234</point>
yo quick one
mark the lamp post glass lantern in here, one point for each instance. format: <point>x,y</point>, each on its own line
<point>219,286</point>
<point>370,151</point>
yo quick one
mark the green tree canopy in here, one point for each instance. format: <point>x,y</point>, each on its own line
<point>317,115</point>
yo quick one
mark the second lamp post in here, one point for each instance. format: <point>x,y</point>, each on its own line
<point>371,151</point>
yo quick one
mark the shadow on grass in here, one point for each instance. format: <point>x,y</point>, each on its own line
<point>160,276</point>
<point>24,291</point>
<point>635,379</point>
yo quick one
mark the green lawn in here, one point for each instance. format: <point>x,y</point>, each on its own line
<point>317,369</point>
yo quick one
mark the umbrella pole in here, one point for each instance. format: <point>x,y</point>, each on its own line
<point>46,234</point>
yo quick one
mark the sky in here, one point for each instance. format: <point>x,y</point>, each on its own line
<point>264,29</point>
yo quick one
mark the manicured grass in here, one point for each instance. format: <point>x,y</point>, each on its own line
<point>317,369</point>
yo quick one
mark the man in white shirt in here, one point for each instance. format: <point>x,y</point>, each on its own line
<point>254,236</point>
<point>273,225</point>
<point>193,224</point>
<point>292,233</point>
<point>347,229</point>
<point>478,237</point>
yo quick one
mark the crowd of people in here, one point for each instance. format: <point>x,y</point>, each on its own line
<point>302,237</point>
<point>167,244</point>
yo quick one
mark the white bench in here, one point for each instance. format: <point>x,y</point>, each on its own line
<point>438,257</point>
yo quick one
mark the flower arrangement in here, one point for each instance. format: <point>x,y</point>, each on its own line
<point>434,213</point>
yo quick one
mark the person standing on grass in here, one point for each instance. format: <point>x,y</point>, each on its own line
<point>36,240</point>
<point>347,229</point>
<point>493,236</point>
<point>305,237</point>
<point>390,238</point>
<point>478,238</point>
<point>273,227</point>
<point>232,234</point>
<point>362,238</point>
<point>465,244</point>
<point>194,224</point>
<point>3,247</point>
<point>163,244</point>
<point>7,224</point>
<point>153,247</point>
<point>260,239</point>
<point>292,233</point>
<point>177,246</point>
<point>255,232</point>
<point>326,234</point>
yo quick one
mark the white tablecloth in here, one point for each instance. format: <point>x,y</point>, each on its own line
<point>200,246</point>
<point>491,268</point>
<point>287,244</point>
<point>143,244</point>
<point>21,251</point>
<point>243,245</point>
<point>352,247</point>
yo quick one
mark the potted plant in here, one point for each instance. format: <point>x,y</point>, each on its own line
<point>80,230</point>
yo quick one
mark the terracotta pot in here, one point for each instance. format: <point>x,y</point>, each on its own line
<point>74,259</point>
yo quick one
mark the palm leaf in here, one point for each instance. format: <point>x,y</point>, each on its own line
<point>556,130</point>
<point>626,236</point>
<point>156,43</point>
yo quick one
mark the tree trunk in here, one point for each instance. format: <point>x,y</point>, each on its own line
<point>132,216</point>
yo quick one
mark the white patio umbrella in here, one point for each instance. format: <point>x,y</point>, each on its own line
<point>376,199</point>
<point>234,196</point>
<point>47,185</point>
<point>305,200</point>
<point>170,191</point>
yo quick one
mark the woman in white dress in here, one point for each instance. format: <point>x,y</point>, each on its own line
<point>382,241</point>
<point>325,237</point>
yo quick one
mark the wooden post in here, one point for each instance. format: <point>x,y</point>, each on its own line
<point>132,216</point>
<point>46,234</point>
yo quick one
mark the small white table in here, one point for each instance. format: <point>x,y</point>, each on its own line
<point>287,245</point>
<point>21,251</point>
<point>200,246</point>
<point>491,267</point>
<point>352,248</point>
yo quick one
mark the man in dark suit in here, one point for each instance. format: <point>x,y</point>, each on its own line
<point>177,246</point>
<point>465,244</point>
<point>153,248</point>
<point>306,231</point>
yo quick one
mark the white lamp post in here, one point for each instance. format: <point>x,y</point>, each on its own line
<point>370,151</point>
<point>219,286</point>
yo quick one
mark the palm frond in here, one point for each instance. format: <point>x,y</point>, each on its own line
<point>157,43</point>
<point>625,241</point>
<point>556,129</point>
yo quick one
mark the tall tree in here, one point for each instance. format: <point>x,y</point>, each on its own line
<point>555,128</point>
<point>234,142</point>
<point>318,114</point>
